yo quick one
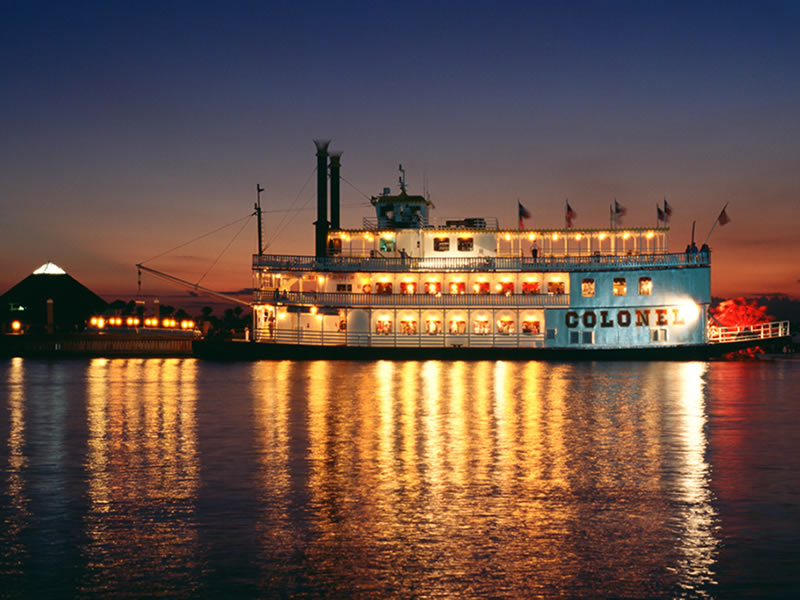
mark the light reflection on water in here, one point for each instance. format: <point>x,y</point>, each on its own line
<point>384,479</point>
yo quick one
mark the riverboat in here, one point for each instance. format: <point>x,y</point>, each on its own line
<point>407,285</point>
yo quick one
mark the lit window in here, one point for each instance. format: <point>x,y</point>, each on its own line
<point>587,288</point>
<point>441,244</point>
<point>465,244</point>
<point>530,287</point>
<point>556,287</point>
<point>458,326</point>
<point>387,245</point>
<point>408,287</point>
<point>383,287</point>
<point>344,287</point>
<point>383,326</point>
<point>645,286</point>
<point>433,287</point>
<point>481,287</point>
<point>458,287</point>
<point>481,327</point>
<point>620,287</point>
<point>408,327</point>
<point>505,326</point>
<point>505,287</point>
<point>529,327</point>
<point>433,327</point>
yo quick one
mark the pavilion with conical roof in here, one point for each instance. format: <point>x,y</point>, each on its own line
<point>27,302</point>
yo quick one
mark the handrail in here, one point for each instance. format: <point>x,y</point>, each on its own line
<point>757,331</point>
<point>420,339</point>
<point>405,300</point>
<point>286,262</point>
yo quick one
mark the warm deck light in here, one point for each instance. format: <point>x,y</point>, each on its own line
<point>555,237</point>
<point>578,236</point>
<point>16,325</point>
<point>626,235</point>
<point>650,235</point>
<point>508,237</point>
<point>531,237</point>
<point>313,310</point>
<point>101,322</point>
<point>602,236</point>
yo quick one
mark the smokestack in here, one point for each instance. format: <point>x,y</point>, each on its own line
<point>322,197</point>
<point>335,166</point>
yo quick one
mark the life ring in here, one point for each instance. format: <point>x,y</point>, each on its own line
<point>367,288</point>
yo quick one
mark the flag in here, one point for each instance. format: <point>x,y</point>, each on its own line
<point>524,213</point>
<point>571,214</point>
<point>723,218</point>
<point>661,214</point>
<point>619,210</point>
<point>667,210</point>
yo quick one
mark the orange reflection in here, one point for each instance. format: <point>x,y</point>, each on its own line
<point>16,522</point>
<point>557,472</point>
<point>142,461</point>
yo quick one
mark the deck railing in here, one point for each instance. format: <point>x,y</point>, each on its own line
<point>286,262</point>
<point>759,331</point>
<point>406,300</point>
<point>400,340</point>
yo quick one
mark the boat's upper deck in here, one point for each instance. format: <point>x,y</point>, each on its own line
<point>413,264</point>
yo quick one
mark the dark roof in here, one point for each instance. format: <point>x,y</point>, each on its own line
<point>402,197</point>
<point>73,302</point>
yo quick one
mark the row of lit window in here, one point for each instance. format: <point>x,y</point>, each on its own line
<point>480,326</point>
<point>619,287</point>
<point>443,244</point>
<point>457,287</point>
<point>102,322</point>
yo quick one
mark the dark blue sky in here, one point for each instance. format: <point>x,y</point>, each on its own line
<point>129,128</point>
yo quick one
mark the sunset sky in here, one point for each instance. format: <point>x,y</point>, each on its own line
<point>129,128</point>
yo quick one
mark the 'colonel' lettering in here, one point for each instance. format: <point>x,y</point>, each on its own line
<point>571,319</point>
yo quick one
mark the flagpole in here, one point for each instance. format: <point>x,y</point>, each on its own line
<point>715,223</point>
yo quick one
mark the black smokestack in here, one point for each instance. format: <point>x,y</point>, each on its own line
<point>322,197</point>
<point>335,166</point>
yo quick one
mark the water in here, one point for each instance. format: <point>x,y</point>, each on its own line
<point>182,478</point>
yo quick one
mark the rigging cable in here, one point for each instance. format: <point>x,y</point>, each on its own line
<point>197,238</point>
<point>354,187</point>
<point>283,223</point>
<point>216,260</point>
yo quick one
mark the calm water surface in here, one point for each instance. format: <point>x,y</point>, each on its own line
<point>182,478</point>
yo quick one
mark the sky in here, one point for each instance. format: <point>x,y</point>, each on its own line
<point>128,129</point>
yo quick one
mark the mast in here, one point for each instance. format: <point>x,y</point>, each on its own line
<point>259,189</point>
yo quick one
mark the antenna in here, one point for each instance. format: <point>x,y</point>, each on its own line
<point>402,178</point>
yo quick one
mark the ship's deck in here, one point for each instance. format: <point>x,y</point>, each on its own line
<point>412,264</point>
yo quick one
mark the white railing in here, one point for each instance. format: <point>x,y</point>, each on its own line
<point>399,340</point>
<point>758,331</point>
<point>428,264</point>
<point>408,300</point>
